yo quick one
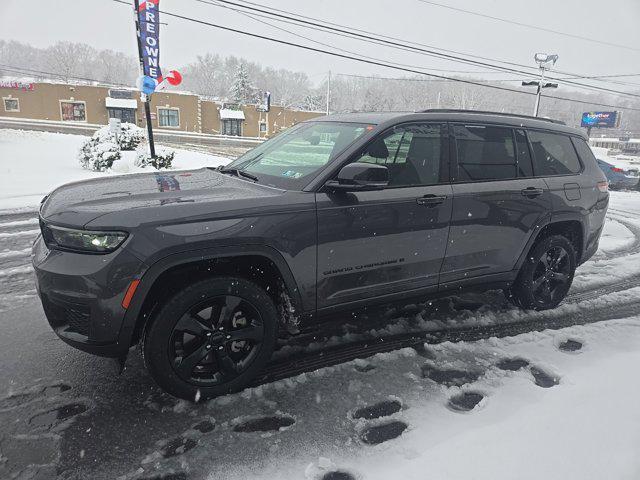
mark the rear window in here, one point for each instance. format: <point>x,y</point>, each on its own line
<point>553,154</point>
<point>485,153</point>
<point>584,150</point>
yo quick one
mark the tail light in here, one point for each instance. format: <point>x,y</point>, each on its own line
<point>617,170</point>
<point>603,186</point>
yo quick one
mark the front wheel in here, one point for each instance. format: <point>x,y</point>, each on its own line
<point>211,338</point>
<point>546,275</point>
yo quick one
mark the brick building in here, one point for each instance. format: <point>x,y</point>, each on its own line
<point>173,111</point>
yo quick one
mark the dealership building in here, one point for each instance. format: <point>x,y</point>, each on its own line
<point>172,111</point>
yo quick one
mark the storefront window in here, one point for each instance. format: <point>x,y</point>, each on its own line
<point>168,117</point>
<point>11,105</point>
<point>73,111</point>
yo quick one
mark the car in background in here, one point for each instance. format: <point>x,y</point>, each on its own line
<point>619,177</point>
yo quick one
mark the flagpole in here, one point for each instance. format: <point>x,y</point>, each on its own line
<point>143,97</point>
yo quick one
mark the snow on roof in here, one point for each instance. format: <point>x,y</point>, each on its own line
<point>130,103</point>
<point>225,113</point>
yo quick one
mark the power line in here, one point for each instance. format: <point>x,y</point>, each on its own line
<point>410,79</point>
<point>529,67</point>
<point>40,73</point>
<point>353,29</point>
<point>332,31</point>
<point>370,62</point>
<point>253,16</point>
<point>403,46</point>
<point>527,25</point>
<point>373,77</point>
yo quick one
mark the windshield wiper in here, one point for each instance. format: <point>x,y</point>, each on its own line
<point>238,173</point>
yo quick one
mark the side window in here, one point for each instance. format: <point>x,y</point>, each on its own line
<point>584,150</point>
<point>485,153</point>
<point>413,154</point>
<point>525,168</point>
<point>553,154</point>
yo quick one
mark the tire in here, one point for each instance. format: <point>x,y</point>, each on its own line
<point>546,275</point>
<point>211,338</point>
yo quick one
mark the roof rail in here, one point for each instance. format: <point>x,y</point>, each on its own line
<point>482,112</point>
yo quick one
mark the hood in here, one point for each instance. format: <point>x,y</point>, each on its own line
<point>141,197</point>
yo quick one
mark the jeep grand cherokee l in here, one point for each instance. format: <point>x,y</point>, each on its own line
<point>203,268</point>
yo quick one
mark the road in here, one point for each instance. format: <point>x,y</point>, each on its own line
<point>68,414</point>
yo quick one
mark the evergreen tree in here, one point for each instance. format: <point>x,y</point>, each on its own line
<point>241,88</point>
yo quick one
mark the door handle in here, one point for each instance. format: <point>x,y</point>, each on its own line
<point>431,200</point>
<point>532,192</point>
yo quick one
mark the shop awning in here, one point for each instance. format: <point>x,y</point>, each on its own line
<point>130,103</point>
<point>231,114</point>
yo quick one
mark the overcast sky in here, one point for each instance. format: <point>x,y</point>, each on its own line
<point>106,24</point>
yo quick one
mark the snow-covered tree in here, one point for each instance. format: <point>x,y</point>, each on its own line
<point>241,89</point>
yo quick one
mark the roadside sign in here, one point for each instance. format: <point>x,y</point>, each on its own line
<point>600,119</point>
<point>115,125</point>
<point>265,106</point>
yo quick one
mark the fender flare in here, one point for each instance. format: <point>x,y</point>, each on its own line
<point>151,275</point>
<point>550,220</point>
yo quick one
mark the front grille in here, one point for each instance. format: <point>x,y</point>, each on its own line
<point>71,317</point>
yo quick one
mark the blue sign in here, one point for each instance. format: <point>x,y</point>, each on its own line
<point>600,119</point>
<point>149,24</point>
<point>146,85</point>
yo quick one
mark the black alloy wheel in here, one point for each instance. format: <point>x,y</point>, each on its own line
<point>551,275</point>
<point>211,338</point>
<point>546,275</point>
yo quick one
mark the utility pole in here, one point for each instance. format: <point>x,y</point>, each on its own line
<point>544,62</point>
<point>143,97</point>
<point>328,92</point>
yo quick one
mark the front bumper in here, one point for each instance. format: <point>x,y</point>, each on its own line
<point>82,296</point>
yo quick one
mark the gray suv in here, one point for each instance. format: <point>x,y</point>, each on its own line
<point>205,268</point>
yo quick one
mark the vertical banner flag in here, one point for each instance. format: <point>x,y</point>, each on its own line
<point>149,24</point>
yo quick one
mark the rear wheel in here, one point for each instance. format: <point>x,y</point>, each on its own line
<point>546,275</point>
<point>212,337</point>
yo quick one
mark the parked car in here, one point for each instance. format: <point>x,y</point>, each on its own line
<point>205,268</point>
<point>619,177</point>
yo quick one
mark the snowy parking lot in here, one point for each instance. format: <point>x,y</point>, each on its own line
<point>458,388</point>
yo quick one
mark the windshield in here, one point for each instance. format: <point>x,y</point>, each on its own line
<point>292,158</point>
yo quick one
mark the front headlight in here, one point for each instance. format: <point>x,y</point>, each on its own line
<point>83,240</point>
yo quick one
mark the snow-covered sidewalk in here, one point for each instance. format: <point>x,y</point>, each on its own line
<point>34,163</point>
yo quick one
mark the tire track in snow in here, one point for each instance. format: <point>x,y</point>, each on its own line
<point>299,363</point>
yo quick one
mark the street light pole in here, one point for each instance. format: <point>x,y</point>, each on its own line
<point>539,92</point>
<point>543,60</point>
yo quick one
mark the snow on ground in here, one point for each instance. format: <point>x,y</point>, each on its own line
<point>615,236</point>
<point>563,407</point>
<point>585,427</point>
<point>541,405</point>
<point>34,163</point>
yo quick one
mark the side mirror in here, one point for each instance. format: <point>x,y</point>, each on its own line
<point>360,177</point>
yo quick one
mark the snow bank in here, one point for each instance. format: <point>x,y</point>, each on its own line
<point>34,163</point>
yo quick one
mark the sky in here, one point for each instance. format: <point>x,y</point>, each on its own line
<point>106,24</point>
